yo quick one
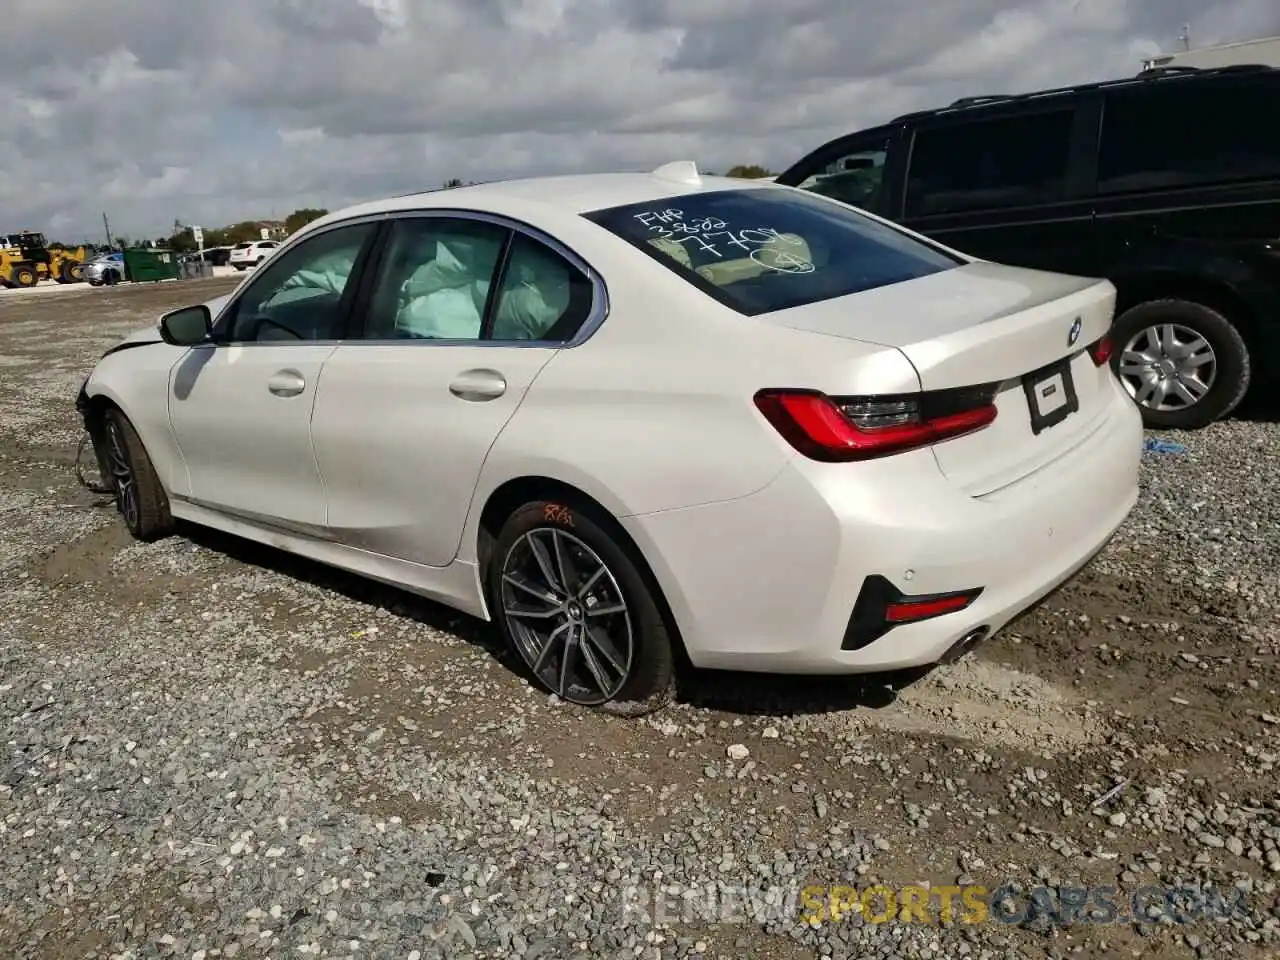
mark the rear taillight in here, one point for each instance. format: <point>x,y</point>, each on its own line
<point>1101,350</point>
<point>837,429</point>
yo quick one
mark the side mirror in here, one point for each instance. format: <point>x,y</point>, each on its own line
<point>187,327</point>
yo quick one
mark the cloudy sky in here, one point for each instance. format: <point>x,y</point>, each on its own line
<point>211,112</point>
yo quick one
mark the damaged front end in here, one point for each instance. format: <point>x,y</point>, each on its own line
<point>95,437</point>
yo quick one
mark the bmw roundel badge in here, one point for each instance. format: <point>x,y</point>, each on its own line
<point>1074,335</point>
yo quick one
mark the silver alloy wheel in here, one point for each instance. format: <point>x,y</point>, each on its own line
<point>1168,367</point>
<point>567,615</point>
<point>122,475</point>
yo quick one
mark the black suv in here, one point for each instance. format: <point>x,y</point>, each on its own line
<point>1167,184</point>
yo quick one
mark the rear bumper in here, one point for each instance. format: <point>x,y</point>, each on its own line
<point>770,582</point>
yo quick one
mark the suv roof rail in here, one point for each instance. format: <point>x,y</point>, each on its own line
<point>1169,70</point>
<point>1153,75</point>
<point>985,98</point>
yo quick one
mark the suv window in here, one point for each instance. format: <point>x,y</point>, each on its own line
<point>988,164</point>
<point>1182,135</point>
<point>765,249</point>
<point>298,295</point>
<point>855,178</point>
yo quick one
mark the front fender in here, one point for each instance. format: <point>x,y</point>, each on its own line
<point>134,376</point>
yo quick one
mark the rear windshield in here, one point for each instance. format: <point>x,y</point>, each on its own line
<point>760,250</point>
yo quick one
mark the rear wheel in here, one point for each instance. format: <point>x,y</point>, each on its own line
<point>1185,364</point>
<point>24,276</point>
<point>576,608</point>
<point>140,498</point>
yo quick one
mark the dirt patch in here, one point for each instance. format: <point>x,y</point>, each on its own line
<point>983,703</point>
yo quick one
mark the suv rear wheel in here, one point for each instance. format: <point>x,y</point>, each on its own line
<point>1184,363</point>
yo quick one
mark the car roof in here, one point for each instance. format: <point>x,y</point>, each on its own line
<point>1160,75</point>
<point>560,195</point>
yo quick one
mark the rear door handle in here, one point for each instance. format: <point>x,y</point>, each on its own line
<point>286,383</point>
<point>478,385</point>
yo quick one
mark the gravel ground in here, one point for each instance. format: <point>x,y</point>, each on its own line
<point>214,750</point>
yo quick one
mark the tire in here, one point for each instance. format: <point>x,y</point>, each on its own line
<point>72,271</point>
<point>95,283</point>
<point>24,276</point>
<point>110,278</point>
<point>140,498</point>
<point>635,665</point>
<point>239,266</point>
<point>1224,368</point>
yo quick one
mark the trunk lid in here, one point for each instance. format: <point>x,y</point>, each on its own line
<point>989,323</point>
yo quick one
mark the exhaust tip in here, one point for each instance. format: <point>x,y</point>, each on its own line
<point>965,644</point>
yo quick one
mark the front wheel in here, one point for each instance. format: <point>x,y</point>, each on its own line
<point>575,606</point>
<point>1185,364</point>
<point>140,498</point>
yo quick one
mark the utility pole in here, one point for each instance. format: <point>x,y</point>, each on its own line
<point>107,227</point>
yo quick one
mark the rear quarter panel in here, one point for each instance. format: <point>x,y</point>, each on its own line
<point>655,411</point>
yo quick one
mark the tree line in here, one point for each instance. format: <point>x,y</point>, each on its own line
<point>182,239</point>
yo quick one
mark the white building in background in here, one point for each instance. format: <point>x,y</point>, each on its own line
<point>1264,51</point>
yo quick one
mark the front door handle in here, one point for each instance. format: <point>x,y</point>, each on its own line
<point>478,385</point>
<point>286,383</point>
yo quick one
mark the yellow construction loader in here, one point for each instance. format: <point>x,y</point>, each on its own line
<point>25,260</point>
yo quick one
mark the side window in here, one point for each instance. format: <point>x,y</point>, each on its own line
<point>855,178</point>
<point>434,279</point>
<point>1183,135</point>
<point>1009,162</point>
<point>543,296</point>
<point>299,295</point>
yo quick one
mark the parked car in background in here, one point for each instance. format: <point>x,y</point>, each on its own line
<point>1168,184</point>
<point>106,269</point>
<point>631,415</point>
<point>214,256</point>
<point>251,253</point>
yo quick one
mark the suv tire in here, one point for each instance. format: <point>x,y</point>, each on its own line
<point>1211,338</point>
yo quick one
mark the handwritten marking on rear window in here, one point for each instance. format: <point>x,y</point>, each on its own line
<point>782,261</point>
<point>708,234</point>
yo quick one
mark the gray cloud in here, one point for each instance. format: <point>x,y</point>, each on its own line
<point>211,112</point>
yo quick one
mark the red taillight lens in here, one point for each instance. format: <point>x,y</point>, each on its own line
<point>908,611</point>
<point>861,428</point>
<point>1101,350</point>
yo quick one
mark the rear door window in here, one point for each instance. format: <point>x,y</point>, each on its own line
<point>1183,133</point>
<point>772,248</point>
<point>992,164</point>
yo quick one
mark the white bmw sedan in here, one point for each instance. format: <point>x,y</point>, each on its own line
<point>638,417</point>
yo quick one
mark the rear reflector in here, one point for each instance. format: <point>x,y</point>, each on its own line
<point>910,609</point>
<point>1101,350</point>
<point>838,429</point>
<point>881,606</point>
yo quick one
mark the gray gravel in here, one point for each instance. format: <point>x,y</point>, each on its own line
<point>210,750</point>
